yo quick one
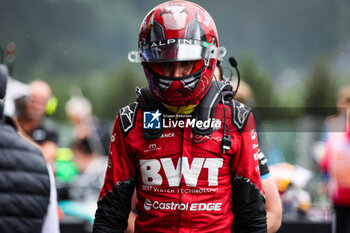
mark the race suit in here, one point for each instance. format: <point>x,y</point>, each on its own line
<point>184,182</point>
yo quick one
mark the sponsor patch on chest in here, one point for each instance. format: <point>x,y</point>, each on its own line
<point>151,175</point>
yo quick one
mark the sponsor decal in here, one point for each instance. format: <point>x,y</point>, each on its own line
<point>152,147</point>
<point>156,205</point>
<point>179,190</point>
<point>127,115</point>
<point>148,204</point>
<point>126,111</point>
<point>201,138</point>
<point>256,156</point>
<point>150,169</point>
<point>113,137</point>
<point>241,114</point>
<point>179,41</point>
<point>262,158</point>
<point>173,41</point>
<point>167,135</point>
<point>257,169</point>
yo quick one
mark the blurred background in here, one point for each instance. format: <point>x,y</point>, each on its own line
<point>294,55</point>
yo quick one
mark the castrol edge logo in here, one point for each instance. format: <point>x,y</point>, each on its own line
<point>156,205</point>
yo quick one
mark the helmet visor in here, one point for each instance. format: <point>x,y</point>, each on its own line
<point>177,50</point>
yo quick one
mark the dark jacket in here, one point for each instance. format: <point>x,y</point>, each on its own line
<point>24,183</point>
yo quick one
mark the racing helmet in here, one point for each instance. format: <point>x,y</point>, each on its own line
<point>178,31</point>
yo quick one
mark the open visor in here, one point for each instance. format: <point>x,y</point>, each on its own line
<point>175,50</point>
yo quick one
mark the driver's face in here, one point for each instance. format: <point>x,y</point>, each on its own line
<point>176,69</point>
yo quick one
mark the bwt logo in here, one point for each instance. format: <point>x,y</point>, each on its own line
<point>151,171</point>
<point>151,120</point>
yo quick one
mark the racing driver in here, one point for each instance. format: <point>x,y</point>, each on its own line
<point>190,151</point>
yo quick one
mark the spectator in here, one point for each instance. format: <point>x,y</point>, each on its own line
<point>86,126</point>
<point>30,115</point>
<point>91,165</point>
<point>27,201</point>
<point>81,194</point>
<point>336,162</point>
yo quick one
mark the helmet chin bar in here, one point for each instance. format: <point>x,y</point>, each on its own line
<point>189,82</point>
<point>159,76</point>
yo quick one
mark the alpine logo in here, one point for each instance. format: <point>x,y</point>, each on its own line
<point>156,205</point>
<point>175,41</point>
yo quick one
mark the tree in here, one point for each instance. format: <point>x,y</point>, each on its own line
<point>320,90</point>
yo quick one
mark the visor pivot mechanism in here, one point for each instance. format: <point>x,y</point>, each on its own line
<point>134,56</point>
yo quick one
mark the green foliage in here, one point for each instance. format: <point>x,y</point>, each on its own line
<point>320,89</point>
<point>107,91</point>
<point>84,43</point>
<point>114,90</point>
<point>259,80</point>
<point>73,37</point>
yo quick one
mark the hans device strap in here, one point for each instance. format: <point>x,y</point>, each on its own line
<point>148,103</point>
<point>205,111</point>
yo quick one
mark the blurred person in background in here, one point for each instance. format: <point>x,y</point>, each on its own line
<point>28,203</point>
<point>31,111</point>
<point>78,197</point>
<point>186,180</point>
<point>273,203</point>
<point>336,162</point>
<point>91,169</point>
<point>91,166</point>
<point>86,126</point>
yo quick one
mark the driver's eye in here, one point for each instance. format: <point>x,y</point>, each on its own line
<point>174,64</point>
